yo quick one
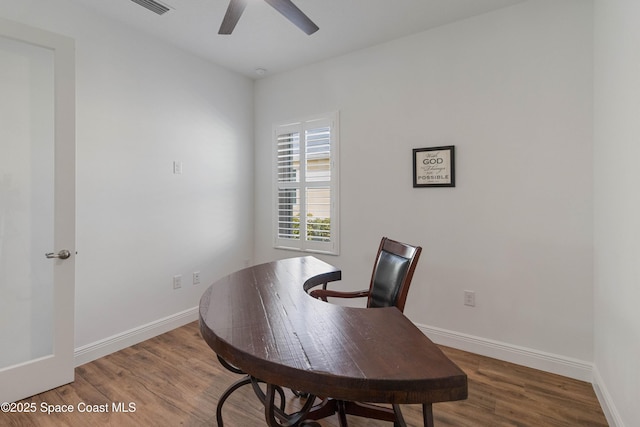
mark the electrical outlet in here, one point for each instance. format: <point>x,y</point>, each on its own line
<point>177,281</point>
<point>470,298</point>
<point>196,277</point>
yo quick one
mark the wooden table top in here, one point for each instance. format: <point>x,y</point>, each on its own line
<point>262,320</point>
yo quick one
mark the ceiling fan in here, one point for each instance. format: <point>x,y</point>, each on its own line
<point>285,7</point>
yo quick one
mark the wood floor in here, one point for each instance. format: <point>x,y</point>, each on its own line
<point>175,380</point>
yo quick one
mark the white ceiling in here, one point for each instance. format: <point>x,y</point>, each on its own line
<point>265,39</point>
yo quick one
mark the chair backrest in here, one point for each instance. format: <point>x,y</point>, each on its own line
<point>392,273</point>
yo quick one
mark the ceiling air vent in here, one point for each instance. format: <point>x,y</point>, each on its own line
<point>153,6</point>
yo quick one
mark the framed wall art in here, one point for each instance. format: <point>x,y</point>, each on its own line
<point>434,167</point>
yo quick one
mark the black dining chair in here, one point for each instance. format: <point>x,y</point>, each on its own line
<point>393,270</point>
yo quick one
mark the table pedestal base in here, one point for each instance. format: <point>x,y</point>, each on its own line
<point>329,407</point>
<point>305,417</point>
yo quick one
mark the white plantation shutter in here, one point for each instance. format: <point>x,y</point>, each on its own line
<point>306,185</point>
<point>288,196</point>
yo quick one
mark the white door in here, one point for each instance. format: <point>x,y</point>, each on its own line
<point>37,210</point>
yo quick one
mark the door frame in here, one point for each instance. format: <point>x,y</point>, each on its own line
<point>38,375</point>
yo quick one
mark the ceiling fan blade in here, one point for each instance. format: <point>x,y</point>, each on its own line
<point>234,11</point>
<point>295,15</point>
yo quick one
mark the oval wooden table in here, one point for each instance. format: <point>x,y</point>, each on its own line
<point>262,321</point>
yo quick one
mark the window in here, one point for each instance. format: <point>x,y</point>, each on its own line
<point>306,185</point>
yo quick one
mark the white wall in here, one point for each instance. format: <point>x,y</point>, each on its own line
<point>617,208</point>
<point>512,90</point>
<point>141,104</point>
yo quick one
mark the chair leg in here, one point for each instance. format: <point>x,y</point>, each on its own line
<point>427,415</point>
<point>342,414</point>
<point>399,421</point>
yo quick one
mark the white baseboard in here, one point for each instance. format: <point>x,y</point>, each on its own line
<point>561,365</point>
<point>602,393</point>
<point>98,349</point>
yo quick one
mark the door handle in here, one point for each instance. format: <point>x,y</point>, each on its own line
<point>63,254</point>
